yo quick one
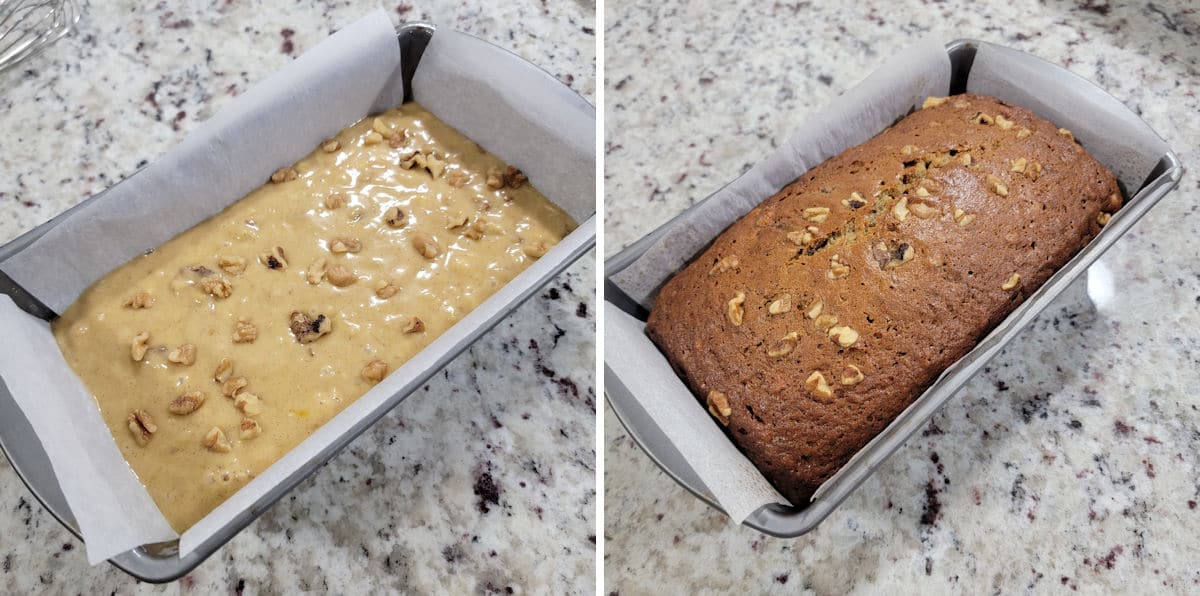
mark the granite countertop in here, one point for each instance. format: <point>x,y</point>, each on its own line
<point>481,482</point>
<point>1073,461</point>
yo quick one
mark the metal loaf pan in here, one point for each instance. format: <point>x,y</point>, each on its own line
<point>159,563</point>
<point>789,522</point>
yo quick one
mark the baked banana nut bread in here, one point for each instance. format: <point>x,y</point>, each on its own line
<point>813,321</point>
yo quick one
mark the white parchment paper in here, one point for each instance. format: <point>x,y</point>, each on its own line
<point>352,74</point>
<point>1105,127</point>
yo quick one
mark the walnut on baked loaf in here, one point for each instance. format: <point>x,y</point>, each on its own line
<point>814,320</point>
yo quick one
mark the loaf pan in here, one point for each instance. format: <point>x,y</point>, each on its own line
<point>159,563</point>
<point>791,521</point>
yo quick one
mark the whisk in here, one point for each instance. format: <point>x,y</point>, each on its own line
<point>29,26</point>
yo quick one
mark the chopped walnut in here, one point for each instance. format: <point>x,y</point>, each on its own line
<point>845,336</point>
<point>412,158</point>
<point>922,191</point>
<point>534,248</point>
<point>933,102</point>
<point>284,175</point>
<point>1114,202</point>
<point>495,178</point>
<point>961,103</point>
<point>398,138</point>
<point>217,287</point>
<point>825,321</point>
<point>233,385</point>
<point>889,257</point>
<point>306,329</point>
<point>1066,133</point>
<point>458,178</point>
<point>395,218</point>
<point>383,127</point>
<point>248,403</point>
<point>435,166</point>
<point>997,185</point>
<point>856,201</point>
<point>837,269</point>
<point>426,245</point>
<point>330,146</point>
<point>1018,165</point>
<point>818,387</point>
<point>718,406</point>
<point>140,299</point>
<point>244,331</point>
<point>784,346</point>
<point>851,375</point>
<point>231,264</point>
<point>803,237</point>
<point>1003,122</point>
<point>1023,132</point>
<point>340,276</point>
<point>514,178</point>
<point>1034,171</point>
<point>909,149</point>
<point>981,118</point>
<point>223,371</point>
<point>724,264</point>
<point>315,272</point>
<point>187,403</point>
<point>215,440</point>
<point>249,429</point>
<point>816,214</point>
<point>275,260</point>
<point>734,310</point>
<point>1011,282</point>
<point>475,230</point>
<point>1103,218</point>
<point>343,245</point>
<point>138,347</point>
<point>414,325</point>
<point>141,426</point>
<point>374,371</point>
<point>385,289</point>
<point>781,304</point>
<point>336,200</point>
<point>924,210</point>
<point>963,218</point>
<point>900,209</point>
<point>185,355</point>
<point>372,138</point>
<point>814,311</point>
<point>964,159</point>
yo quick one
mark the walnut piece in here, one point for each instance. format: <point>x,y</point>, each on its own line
<point>844,335</point>
<point>414,325</point>
<point>900,209</point>
<point>426,245</point>
<point>435,166</point>
<point>924,210</point>
<point>1018,165</point>
<point>825,321</point>
<point>249,429</point>
<point>784,345</point>
<point>816,214</point>
<point>1011,282</point>
<point>534,248</point>
<point>185,355</point>
<point>386,289</point>
<point>244,331</point>
<point>718,406</point>
<point>374,371</point>
<point>223,371</point>
<point>343,245</point>
<point>214,440</point>
<point>336,200</point>
<point>275,260</point>
<point>819,387</point>
<point>395,218</point>
<point>232,265</point>
<point>187,403</point>
<point>383,127</point>
<point>217,287</point>
<point>330,145</point>
<point>851,375</point>
<point>963,218</point>
<point>1003,123</point>
<point>724,264</point>
<point>1023,132</point>
<point>837,269</point>
<point>1066,133</point>
<point>315,272</point>
<point>933,102</point>
<point>964,159</point>
<point>781,304</point>
<point>233,385</point>
<point>307,329</point>
<point>141,426</point>
<point>1103,218</point>
<point>138,347</point>
<point>284,174</point>
<point>814,311</point>
<point>372,138</point>
<point>140,299</point>
<point>855,201</point>
<point>248,403</point>
<point>340,276</point>
<point>1114,202</point>
<point>734,310</point>
<point>997,185</point>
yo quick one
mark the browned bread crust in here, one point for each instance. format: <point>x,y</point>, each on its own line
<point>813,321</point>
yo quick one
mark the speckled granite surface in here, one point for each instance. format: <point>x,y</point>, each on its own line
<point>1073,462</point>
<point>480,483</point>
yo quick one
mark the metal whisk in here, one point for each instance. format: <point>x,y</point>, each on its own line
<point>29,26</point>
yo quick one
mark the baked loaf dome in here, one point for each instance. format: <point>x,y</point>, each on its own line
<point>814,320</point>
